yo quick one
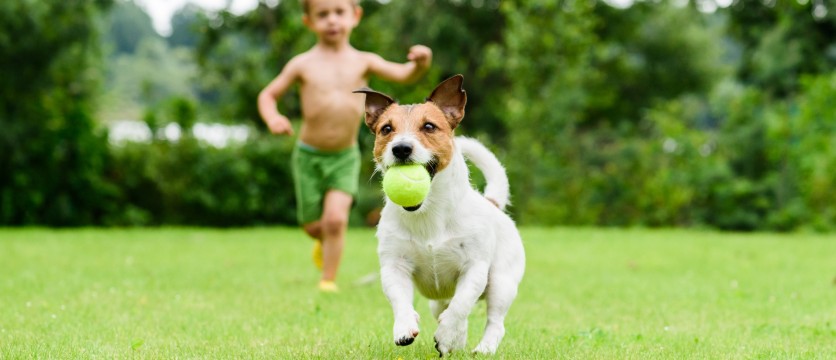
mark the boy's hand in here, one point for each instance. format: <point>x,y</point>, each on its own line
<point>421,55</point>
<point>280,125</point>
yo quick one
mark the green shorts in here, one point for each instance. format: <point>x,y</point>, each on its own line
<point>315,172</point>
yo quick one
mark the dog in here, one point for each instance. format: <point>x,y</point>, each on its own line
<point>458,245</point>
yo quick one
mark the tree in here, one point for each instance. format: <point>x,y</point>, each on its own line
<point>126,25</point>
<point>245,52</point>
<point>50,152</point>
<point>185,26</point>
<point>782,42</point>
<point>651,53</point>
<point>545,55</point>
<point>239,55</point>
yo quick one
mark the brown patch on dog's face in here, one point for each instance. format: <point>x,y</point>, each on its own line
<point>384,130</point>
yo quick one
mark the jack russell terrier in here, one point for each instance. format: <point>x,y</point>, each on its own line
<point>458,245</point>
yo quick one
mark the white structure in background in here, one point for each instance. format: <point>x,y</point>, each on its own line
<point>121,131</point>
<point>218,135</point>
<point>221,135</point>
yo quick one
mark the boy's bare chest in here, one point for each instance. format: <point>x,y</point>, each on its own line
<point>334,76</point>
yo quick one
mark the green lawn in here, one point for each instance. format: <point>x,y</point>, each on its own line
<point>250,293</point>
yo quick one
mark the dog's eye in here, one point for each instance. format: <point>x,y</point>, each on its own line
<point>429,127</point>
<point>385,130</point>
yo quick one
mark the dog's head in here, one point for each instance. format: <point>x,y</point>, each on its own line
<point>417,133</point>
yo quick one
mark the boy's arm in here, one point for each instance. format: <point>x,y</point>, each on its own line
<point>420,57</point>
<point>276,122</point>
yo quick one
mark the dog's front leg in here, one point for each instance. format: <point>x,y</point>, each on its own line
<point>397,285</point>
<point>452,323</point>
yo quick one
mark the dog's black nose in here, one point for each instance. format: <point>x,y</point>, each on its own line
<point>402,151</point>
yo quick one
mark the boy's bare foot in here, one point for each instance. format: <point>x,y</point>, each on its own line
<point>316,254</point>
<point>328,286</point>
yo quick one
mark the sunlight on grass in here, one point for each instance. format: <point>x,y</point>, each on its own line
<point>250,293</point>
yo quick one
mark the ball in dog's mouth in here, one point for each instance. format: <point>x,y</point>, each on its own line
<point>407,185</point>
<point>430,167</point>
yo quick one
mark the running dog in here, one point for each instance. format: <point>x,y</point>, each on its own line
<point>458,245</point>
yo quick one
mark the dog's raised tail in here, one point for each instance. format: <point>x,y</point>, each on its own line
<point>496,189</point>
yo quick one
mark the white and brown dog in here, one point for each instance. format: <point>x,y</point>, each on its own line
<point>458,245</point>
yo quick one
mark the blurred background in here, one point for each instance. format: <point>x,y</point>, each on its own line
<point>704,113</point>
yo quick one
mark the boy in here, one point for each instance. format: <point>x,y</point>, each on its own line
<point>326,159</point>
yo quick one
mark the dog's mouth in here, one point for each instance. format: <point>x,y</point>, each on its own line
<point>431,166</point>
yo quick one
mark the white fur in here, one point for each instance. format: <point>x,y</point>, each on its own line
<point>457,247</point>
<point>420,155</point>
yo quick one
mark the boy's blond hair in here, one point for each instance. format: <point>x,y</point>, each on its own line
<point>306,4</point>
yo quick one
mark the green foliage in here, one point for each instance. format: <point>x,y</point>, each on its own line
<point>778,159</point>
<point>603,116</point>
<point>584,150</point>
<point>143,70</point>
<point>185,26</point>
<point>804,149</point>
<point>147,79</point>
<point>460,35</point>
<point>126,26</point>
<point>51,154</point>
<point>544,101</point>
<point>638,129</point>
<point>239,55</point>
<point>650,53</point>
<point>191,183</point>
<point>782,42</point>
<point>653,115</point>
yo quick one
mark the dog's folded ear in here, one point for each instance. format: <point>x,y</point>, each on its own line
<point>451,99</point>
<point>376,103</point>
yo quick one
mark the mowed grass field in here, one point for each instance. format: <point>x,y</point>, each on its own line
<point>250,293</point>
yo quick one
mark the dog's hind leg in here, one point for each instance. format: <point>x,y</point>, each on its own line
<point>438,306</point>
<point>499,295</point>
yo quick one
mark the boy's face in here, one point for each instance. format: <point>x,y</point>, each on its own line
<point>332,20</point>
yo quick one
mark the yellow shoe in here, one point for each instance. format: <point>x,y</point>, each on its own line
<point>328,286</point>
<point>317,254</point>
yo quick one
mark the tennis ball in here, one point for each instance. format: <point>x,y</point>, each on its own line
<point>406,185</point>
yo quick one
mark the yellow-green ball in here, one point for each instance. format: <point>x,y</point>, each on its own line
<point>406,185</point>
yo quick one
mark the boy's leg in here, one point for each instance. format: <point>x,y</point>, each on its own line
<point>314,230</point>
<point>334,224</point>
<point>306,176</point>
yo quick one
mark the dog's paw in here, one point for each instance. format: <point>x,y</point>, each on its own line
<point>485,348</point>
<point>451,335</point>
<point>406,330</point>
<point>491,339</point>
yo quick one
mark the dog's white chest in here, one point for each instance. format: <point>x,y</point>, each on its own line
<point>437,266</point>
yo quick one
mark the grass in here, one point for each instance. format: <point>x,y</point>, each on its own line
<point>250,293</point>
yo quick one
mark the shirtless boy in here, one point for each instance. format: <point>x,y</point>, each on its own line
<point>326,159</point>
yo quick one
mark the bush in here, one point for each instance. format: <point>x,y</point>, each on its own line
<point>191,183</point>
